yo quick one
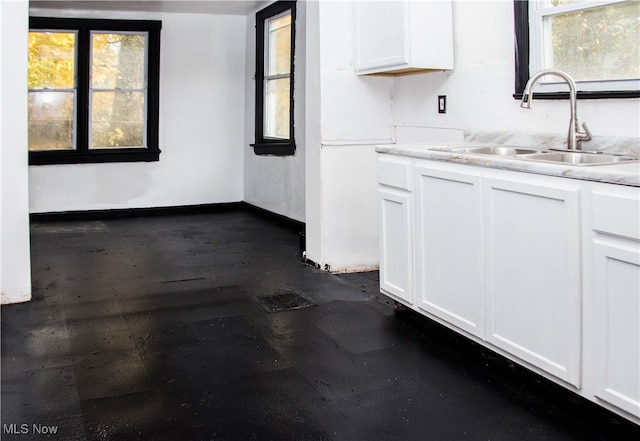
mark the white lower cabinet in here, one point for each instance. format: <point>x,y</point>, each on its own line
<point>448,246</point>
<point>616,294</point>
<point>396,245</point>
<point>396,228</point>
<point>544,270</point>
<point>532,267</point>
<point>617,335</point>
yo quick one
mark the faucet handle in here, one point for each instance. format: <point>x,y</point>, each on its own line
<point>586,136</point>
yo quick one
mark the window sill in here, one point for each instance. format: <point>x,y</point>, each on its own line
<point>274,148</point>
<point>93,157</point>
<point>583,95</point>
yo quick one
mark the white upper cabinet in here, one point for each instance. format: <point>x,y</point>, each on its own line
<point>397,37</point>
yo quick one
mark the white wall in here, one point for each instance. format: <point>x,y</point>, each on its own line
<point>277,183</point>
<point>356,113</point>
<point>15,267</point>
<point>355,109</point>
<point>202,100</point>
<point>479,89</point>
<point>206,123</point>
<point>313,92</point>
<point>349,208</point>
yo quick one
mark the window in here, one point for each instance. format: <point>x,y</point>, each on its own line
<point>93,90</point>
<point>275,36</point>
<point>594,42</point>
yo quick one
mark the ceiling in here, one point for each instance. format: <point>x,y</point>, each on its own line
<point>224,7</point>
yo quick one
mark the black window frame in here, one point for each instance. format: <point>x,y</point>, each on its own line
<point>522,54</point>
<point>82,154</point>
<point>262,145</point>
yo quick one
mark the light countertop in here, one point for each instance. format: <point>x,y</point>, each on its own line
<point>622,173</point>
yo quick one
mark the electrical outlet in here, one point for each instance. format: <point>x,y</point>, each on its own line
<point>442,104</point>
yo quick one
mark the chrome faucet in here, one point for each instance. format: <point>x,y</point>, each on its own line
<point>575,136</point>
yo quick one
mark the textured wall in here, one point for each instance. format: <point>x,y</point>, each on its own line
<point>479,89</point>
<point>201,127</point>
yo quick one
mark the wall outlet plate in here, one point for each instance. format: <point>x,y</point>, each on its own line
<point>442,104</point>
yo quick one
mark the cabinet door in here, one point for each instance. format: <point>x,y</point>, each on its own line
<point>617,323</point>
<point>533,272</point>
<point>396,244</point>
<point>403,36</point>
<point>381,34</point>
<point>449,242</point>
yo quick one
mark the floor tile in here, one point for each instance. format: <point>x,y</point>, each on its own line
<point>146,329</point>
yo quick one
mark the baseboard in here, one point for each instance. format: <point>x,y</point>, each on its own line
<point>134,212</point>
<point>277,218</point>
<point>117,213</point>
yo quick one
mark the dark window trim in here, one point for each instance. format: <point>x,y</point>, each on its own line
<point>82,154</point>
<point>522,54</point>
<point>262,145</point>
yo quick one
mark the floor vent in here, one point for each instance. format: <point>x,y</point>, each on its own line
<point>283,302</point>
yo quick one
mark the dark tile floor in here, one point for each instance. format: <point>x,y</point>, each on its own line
<point>147,329</point>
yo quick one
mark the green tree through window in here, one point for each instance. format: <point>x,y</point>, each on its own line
<point>93,90</point>
<point>52,90</point>
<point>597,43</point>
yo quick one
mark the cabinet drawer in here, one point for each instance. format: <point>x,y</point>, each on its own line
<point>617,214</point>
<point>394,172</point>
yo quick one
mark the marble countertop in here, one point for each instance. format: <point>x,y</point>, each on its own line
<point>622,174</point>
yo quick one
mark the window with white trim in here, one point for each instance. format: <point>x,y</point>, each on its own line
<point>596,42</point>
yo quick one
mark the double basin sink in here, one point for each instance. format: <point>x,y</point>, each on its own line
<point>580,158</point>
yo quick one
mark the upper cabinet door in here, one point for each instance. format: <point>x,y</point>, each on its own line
<point>403,36</point>
<point>380,35</point>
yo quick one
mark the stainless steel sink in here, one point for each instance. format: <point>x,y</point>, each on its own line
<point>496,150</point>
<point>579,158</point>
